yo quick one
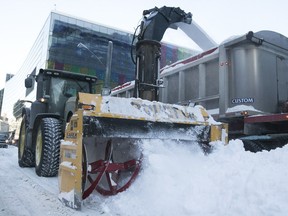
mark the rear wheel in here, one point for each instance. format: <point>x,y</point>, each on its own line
<point>264,142</point>
<point>251,145</point>
<point>25,155</point>
<point>47,148</point>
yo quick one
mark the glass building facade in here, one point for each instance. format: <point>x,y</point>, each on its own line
<point>71,44</point>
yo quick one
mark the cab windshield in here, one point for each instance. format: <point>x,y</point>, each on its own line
<point>63,89</point>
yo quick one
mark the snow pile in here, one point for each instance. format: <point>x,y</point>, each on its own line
<point>151,110</point>
<point>181,180</point>
<point>68,165</point>
<point>176,179</point>
<point>240,108</point>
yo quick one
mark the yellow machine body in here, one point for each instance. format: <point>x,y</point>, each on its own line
<point>101,150</point>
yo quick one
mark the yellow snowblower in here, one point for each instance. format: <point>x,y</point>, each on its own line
<point>102,148</point>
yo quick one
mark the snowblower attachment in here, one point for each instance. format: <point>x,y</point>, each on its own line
<point>102,146</point>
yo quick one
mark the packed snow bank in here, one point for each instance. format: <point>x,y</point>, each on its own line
<point>175,180</point>
<point>180,180</point>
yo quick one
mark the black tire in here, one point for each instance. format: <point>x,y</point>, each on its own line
<point>25,155</point>
<point>47,147</point>
<point>251,145</point>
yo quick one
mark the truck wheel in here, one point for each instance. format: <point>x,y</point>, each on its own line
<point>251,145</point>
<point>25,155</point>
<point>47,148</point>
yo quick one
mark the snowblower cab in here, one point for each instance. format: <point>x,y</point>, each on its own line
<point>102,147</point>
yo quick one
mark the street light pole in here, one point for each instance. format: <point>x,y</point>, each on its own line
<point>106,89</point>
<point>81,45</point>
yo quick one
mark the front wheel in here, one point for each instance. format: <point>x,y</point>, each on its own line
<point>25,155</point>
<point>47,148</point>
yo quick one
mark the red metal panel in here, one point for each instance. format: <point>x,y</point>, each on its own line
<point>266,118</point>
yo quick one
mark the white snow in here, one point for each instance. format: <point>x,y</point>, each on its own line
<point>65,142</point>
<point>169,68</point>
<point>68,165</point>
<point>242,107</point>
<point>176,179</point>
<point>127,85</point>
<point>153,110</point>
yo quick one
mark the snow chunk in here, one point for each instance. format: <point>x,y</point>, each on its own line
<point>240,108</point>
<point>153,111</point>
<point>68,164</point>
<point>67,143</point>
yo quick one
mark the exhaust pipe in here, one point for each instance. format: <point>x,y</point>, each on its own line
<point>106,90</point>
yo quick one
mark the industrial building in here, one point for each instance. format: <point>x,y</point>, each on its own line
<point>72,44</point>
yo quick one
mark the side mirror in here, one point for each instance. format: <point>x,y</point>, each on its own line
<point>28,82</point>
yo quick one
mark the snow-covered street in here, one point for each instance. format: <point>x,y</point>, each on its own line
<point>175,180</point>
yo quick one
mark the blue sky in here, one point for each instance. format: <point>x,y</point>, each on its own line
<point>22,20</point>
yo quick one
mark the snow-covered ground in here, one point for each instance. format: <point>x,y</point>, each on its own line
<point>175,180</point>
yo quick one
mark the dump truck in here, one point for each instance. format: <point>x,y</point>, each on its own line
<point>242,81</point>
<point>44,122</point>
<point>102,148</point>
